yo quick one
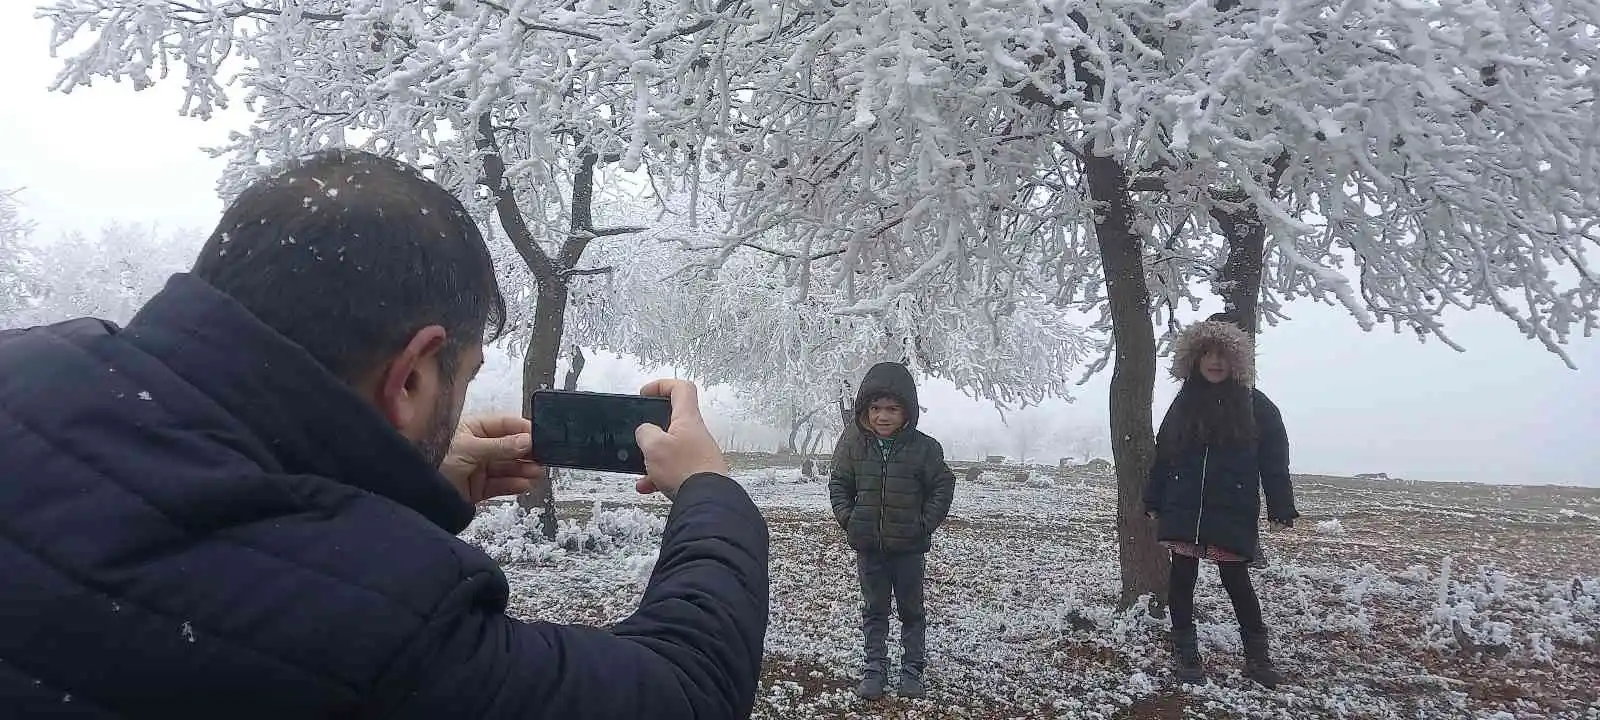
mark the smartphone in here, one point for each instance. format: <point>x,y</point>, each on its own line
<point>593,431</point>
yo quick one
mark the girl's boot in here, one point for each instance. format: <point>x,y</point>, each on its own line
<point>1258,659</point>
<point>1186,664</point>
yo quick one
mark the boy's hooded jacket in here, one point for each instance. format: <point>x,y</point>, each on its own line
<point>891,498</point>
<point>1212,495</point>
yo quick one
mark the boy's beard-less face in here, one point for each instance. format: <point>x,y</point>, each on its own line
<point>885,417</point>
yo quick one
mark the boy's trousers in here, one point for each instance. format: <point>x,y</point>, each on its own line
<point>899,575</point>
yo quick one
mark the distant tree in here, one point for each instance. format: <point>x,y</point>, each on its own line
<point>16,267</point>
<point>741,325</point>
<point>108,274</point>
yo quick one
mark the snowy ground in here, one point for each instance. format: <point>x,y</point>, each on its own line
<point>1386,601</point>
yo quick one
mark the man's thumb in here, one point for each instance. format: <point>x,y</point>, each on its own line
<point>647,434</point>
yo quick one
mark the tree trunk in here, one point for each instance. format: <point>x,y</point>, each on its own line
<point>802,421</point>
<point>1241,275</point>
<point>1133,375</point>
<point>539,373</point>
<point>791,446</point>
<point>570,382</point>
<point>552,275</point>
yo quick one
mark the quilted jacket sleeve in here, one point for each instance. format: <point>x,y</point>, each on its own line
<point>1272,456</point>
<point>842,481</point>
<point>692,650</point>
<point>941,487</point>
<point>1161,470</point>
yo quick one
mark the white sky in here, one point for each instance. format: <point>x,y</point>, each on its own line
<point>1505,411</point>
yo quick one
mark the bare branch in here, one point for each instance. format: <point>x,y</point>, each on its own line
<point>608,232</point>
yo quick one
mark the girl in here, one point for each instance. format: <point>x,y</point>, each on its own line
<point>1222,443</point>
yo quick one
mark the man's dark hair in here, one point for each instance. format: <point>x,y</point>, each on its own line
<point>349,254</point>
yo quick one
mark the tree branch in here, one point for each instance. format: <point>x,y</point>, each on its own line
<point>246,10</point>
<point>610,231</point>
<point>505,205</point>
<point>607,270</point>
<point>542,28</point>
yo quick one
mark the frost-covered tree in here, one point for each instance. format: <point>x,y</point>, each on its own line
<point>1416,147</point>
<point>108,274</point>
<point>739,325</point>
<point>16,268</point>
<point>1395,158</point>
<point>518,107</point>
<point>521,108</point>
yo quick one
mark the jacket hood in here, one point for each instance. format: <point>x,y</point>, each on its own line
<point>1234,343</point>
<point>313,423</point>
<point>893,379</point>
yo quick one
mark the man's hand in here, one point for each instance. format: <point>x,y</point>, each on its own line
<point>489,458</point>
<point>673,456</point>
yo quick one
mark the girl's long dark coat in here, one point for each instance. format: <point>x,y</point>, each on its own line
<point>1212,495</point>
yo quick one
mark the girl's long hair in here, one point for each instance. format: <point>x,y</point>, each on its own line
<point>1206,413</point>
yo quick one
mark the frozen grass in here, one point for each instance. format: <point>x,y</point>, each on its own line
<point>1388,601</point>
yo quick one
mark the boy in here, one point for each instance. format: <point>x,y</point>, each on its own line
<point>890,489</point>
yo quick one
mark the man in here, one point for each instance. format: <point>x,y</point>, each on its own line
<point>890,489</point>
<point>244,504</point>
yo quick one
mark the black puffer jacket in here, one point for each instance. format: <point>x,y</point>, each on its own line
<point>1212,495</point>
<point>891,499</point>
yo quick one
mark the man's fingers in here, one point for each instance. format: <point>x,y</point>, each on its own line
<point>684,395</point>
<point>516,468</point>
<point>502,486</point>
<point>647,436</point>
<point>494,426</point>
<point>660,387</point>
<point>501,449</point>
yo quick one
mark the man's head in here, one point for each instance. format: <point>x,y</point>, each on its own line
<point>379,273</point>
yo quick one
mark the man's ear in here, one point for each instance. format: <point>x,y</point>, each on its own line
<point>407,387</point>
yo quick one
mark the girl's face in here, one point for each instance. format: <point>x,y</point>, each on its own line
<point>1214,366</point>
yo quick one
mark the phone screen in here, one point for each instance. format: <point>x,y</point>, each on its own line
<point>593,431</point>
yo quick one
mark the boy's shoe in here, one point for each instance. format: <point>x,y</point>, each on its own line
<point>871,687</point>
<point>911,685</point>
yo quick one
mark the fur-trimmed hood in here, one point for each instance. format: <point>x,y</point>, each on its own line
<point>1235,343</point>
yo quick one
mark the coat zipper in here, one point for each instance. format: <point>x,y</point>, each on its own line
<point>883,490</point>
<point>1204,460</point>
